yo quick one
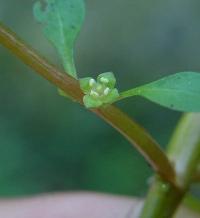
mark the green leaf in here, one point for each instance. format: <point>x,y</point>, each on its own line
<point>63,94</point>
<point>180,91</point>
<point>62,21</point>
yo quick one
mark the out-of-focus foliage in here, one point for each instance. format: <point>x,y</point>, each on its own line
<point>48,143</point>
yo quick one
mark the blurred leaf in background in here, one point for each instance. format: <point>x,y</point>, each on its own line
<point>48,143</point>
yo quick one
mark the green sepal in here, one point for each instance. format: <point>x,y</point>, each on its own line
<point>90,102</point>
<point>111,97</point>
<point>110,77</point>
<point>85,84</point>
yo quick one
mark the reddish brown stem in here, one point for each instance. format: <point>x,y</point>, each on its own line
<point>116,118</point>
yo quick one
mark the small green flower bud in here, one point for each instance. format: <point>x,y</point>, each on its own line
<point>100,92</point>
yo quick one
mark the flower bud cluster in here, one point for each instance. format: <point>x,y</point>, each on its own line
<point>99,92</point>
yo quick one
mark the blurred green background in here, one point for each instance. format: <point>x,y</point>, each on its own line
<point>48,143</point>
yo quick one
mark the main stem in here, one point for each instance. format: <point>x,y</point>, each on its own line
<point>116,118</point>
<point>184,152</point>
